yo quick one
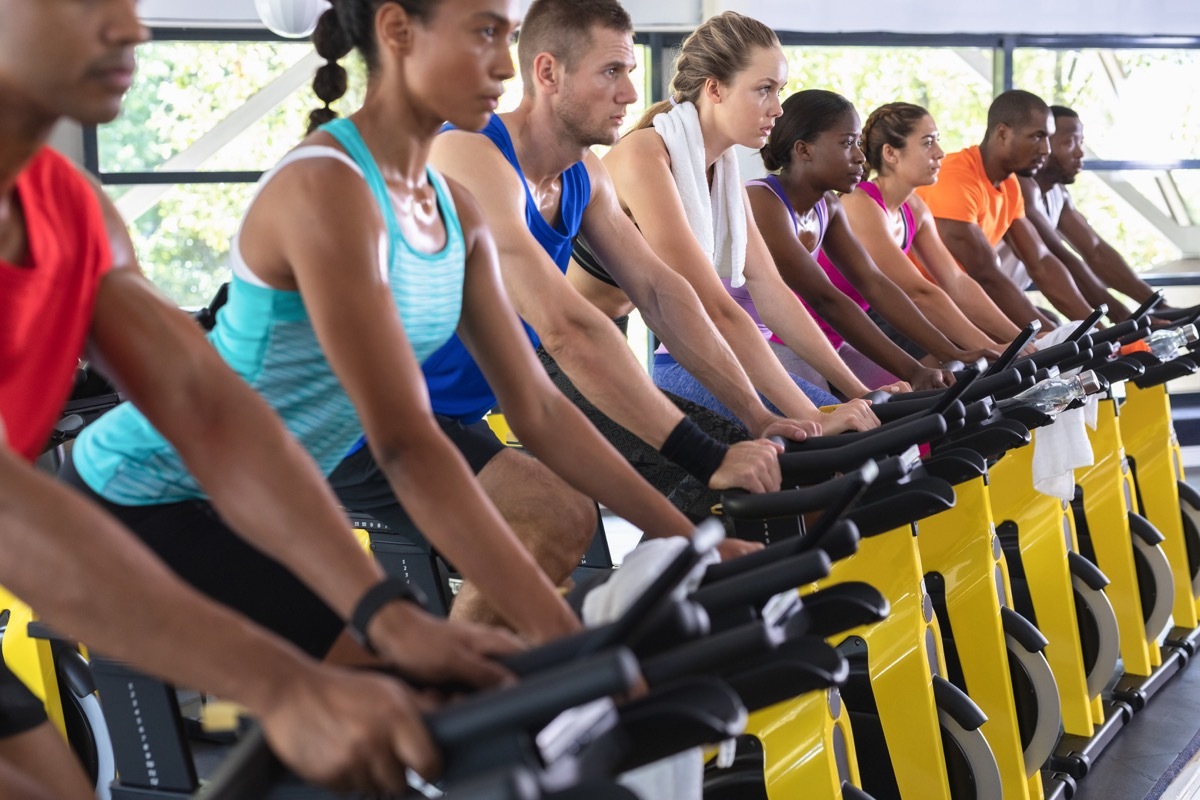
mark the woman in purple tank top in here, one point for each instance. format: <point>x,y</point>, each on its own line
<point>900,143</point>
<point>814,149</point>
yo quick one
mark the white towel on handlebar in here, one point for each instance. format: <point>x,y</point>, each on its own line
<point>1061,448</point>
<point>680,777</point>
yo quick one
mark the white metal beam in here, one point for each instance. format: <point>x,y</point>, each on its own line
<point>140,199</point>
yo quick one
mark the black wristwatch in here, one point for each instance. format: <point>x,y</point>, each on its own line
<point>379,595</point>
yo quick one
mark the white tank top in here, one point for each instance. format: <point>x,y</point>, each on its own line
<point>1051,204</point>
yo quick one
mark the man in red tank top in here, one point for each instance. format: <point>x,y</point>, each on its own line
<point>69,280</point>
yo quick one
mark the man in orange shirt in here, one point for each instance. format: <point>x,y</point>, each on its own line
<point>978,206</point>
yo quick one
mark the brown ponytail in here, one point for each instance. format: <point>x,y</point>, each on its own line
<point>889,124</point>
<point>349,25</point>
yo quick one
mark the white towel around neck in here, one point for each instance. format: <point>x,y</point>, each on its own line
<point>718,216</point>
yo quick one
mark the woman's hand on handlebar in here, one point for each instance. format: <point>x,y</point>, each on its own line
<point>896,388</point>
<point>795,429</point>
<point>924,378</point>
<point>853,415</point>
<point>349,730</point>
<point>434,650</point>
<point>752,465</point>
<point>732,548</point>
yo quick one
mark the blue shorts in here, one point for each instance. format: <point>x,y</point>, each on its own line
<point>671,377</point>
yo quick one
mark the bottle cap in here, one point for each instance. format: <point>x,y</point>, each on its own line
<point>1190,334</point>
<point>1089,382</point>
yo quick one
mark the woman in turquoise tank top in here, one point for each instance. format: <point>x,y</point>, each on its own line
<point>814,154</point>
<point>354,262</point>
<point>900,144</point>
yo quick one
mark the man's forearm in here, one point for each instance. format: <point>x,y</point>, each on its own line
<point>1112,268</point>
<point>106,589</point>
<point>249,464</point>
<point>1011,300</point>
<point>594,467</point>
<point>1060,289</point>
<point>598,361</point>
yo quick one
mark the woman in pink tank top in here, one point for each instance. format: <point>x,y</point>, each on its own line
<point>814,152</point>
<point>900,144</point>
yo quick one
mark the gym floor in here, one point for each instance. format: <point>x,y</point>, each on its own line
<point>1154,757</point>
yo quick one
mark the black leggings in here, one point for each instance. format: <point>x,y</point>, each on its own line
<point>193,540</point>
<point>20,710</point>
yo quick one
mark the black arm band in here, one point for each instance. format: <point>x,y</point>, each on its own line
<point>694,450</point>
<point>378,596</point>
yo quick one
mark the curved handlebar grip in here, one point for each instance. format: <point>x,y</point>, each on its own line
<point>717,653</point>
<point>1050,356</point>
<point>888,441</point>
<point>1177,315</point>
<point>877,397</point>
<point>533,701</point>
<point>790,502</point>
<point>761,585</point>
<point>1014,348</point>
<point>846,531</point>
<point>1155,376</point>
<point>1145,308</point>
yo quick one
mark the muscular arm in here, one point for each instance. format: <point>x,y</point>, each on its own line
<point>1047,272</point>
<point>782,312</point>
<point>804,275</point>
<point>869,225</point>
<point>971,249</point>
<point>247,462</point>
<point>1094,292</point>
<point>893,304</point>
<point>548,424</point>
<point>969,298</point>
<point>1102,257</point>
<point>584,342</point>
<point>91,579</point>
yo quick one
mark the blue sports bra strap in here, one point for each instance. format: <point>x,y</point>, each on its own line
<point>347,135</point>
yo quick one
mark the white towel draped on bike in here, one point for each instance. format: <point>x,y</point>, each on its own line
<point>1063,447</point>
<point>680,777</point>
<point>717,216</point>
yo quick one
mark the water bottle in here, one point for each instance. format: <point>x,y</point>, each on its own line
<point>1168,344</point>
<point>1055,394</point>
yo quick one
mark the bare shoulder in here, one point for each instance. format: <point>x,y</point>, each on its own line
<point>639,147</point>
<point>919,209</point>
<point>466,207</point>
<point>858,202</point>
<point>475,162</point>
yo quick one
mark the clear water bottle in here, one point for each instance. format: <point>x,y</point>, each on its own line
<point>1052,396</point>
<point>1169,343</point>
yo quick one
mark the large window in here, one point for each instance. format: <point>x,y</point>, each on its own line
<point>955,84</point>
<point>1141,114</point>
<point>211,109</point>
<point>202,121</point>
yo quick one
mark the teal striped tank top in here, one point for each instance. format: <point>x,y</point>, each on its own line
<point>265,335</point>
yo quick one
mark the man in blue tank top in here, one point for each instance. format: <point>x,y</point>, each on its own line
<point>539,186</point>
